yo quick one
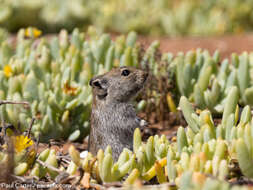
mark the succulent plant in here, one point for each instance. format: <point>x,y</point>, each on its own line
<point>204,81</point>
<point>202,148</point>
<point>196,180</point>
<point>53,75</point>
<point>147,17</point>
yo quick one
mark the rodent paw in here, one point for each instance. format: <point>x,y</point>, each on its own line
<point>142,123</point>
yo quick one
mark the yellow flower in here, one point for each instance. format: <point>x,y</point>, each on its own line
<point>198,111</point>
<point>8,71</point>
<point>70,90</point>
<point>22,142</point>
<point>32,32</point>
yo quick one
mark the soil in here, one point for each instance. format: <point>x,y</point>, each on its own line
<point>225,44</point>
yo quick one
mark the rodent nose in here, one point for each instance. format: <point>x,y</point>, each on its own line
<point>95,82</point>
<point>91,80</point>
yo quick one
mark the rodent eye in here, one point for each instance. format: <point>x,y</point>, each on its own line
<point>125,72</point>
<point>96,83</point>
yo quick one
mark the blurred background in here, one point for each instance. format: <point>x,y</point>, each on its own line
<point>209,24</point>
<point>147,17</point>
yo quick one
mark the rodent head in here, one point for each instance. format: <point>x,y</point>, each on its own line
<point>119,85</point>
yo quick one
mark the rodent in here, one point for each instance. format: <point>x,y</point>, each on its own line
<point>113,117</point>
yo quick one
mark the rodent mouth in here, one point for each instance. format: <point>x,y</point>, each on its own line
<point>102,96</point>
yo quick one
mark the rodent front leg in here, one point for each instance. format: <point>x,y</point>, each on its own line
<point>142,122</point>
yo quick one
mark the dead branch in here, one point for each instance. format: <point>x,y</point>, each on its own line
<point>30,127</point>
<point>97,186</point>
<point>26,104</point>
<point>48,166</point>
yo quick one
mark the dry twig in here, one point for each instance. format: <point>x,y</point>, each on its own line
<point>49,166</point>
<point>26,104</point>
<point>30,127</point>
